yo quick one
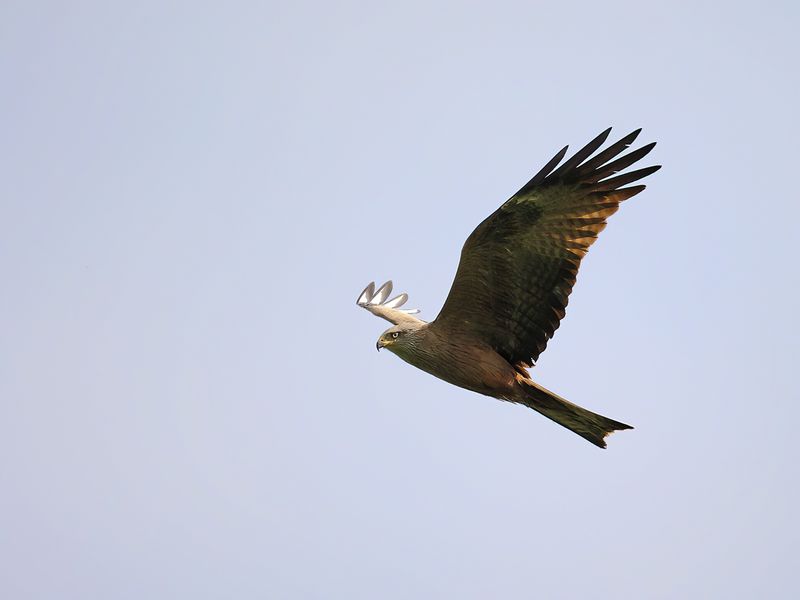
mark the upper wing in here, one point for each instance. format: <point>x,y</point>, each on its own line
<point>518,267</point>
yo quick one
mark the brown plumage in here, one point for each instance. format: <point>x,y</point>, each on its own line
<point>513,283</point>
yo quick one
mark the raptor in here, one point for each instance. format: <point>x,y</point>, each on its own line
<point>513,282</point>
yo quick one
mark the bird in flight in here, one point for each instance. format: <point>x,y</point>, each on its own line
<point>513,282</point>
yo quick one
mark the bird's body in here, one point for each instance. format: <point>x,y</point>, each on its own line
<point>459,358</point>
<point>511,289</point>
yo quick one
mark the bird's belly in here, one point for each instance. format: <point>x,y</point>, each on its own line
<point>479,369</point>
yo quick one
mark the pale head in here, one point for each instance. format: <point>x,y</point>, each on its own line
<point>405,333</point>
<point>400,338</point>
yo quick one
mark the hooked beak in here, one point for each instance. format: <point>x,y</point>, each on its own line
<point>379,345</point>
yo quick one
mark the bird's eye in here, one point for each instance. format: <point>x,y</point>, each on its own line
<point>395,335</point>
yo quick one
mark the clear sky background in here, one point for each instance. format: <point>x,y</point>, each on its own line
<point>192,197</point>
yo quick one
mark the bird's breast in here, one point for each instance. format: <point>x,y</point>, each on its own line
<point>466,363</point>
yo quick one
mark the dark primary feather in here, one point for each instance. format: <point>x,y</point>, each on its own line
<point>518,267</point>
<point>582,154</point>
<point>545,171</point>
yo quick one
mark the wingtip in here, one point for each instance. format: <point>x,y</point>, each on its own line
<point>602,137</point>
<point>397,301</point>
<point>366,295</point>
<point>631,137</point>
<point>383,292</point>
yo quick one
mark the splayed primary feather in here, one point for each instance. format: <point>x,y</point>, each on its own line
<point>376,303</point>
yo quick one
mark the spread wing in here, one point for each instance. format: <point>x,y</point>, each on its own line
<point>518,267</point>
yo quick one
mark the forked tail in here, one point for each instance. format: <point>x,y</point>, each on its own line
<point>585,423</point>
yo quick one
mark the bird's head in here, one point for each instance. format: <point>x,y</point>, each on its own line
<point>397,338</point>
<point>408,330</point>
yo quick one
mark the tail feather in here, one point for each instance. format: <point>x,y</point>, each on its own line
<point>585,423</point>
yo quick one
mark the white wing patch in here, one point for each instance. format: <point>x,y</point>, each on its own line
<point>376,302</point>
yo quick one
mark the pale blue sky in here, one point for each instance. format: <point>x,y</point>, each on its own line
<point>193,195</point>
